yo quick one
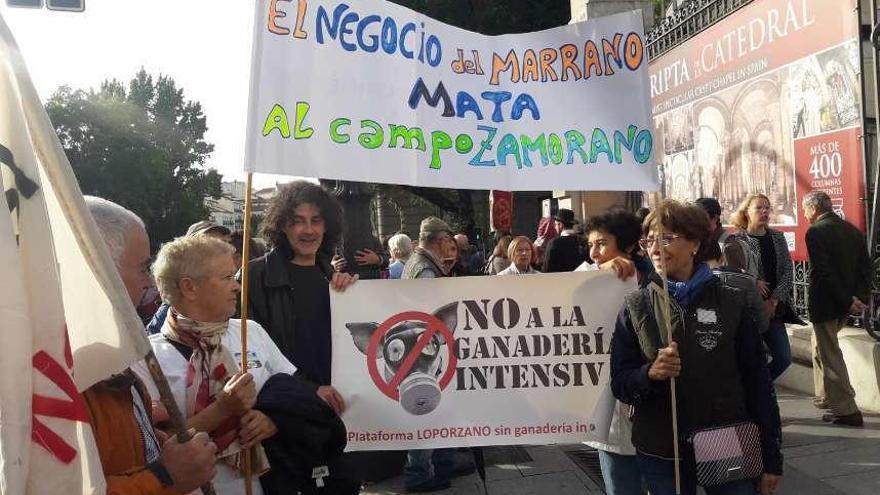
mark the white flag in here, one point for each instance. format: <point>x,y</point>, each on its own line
<point>58,280</point>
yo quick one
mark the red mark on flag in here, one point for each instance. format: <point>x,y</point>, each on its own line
<point>71,408</point>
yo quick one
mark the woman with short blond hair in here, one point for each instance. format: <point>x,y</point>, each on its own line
<point>199,351</point>
<point>521,254</point>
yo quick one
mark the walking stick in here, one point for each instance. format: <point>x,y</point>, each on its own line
<point>245,272</point>
<point>178,422</point>
<point>667,320</point>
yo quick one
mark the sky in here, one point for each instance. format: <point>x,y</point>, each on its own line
<point>204,46</point>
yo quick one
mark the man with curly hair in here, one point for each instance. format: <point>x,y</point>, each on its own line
<point>288,293</point>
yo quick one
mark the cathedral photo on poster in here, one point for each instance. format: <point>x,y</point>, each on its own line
<point>740,140</point>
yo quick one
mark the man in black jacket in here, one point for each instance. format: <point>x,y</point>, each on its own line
<point>840,284</point>
<point>288,290</point>
<point>288,293</point>
<point>566,252</point>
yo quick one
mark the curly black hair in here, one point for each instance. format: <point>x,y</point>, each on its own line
<point>623,225</point>
<point>280,213</point>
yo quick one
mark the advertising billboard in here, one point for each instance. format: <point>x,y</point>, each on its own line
<point>768,100</point>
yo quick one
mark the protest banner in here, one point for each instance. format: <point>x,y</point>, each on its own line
<point>768,100</point>
<point>371,91</point>
<point>474,361</point>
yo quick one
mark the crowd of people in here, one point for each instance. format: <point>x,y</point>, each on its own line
<point>709,313</point>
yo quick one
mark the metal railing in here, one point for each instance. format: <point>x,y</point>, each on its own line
<point>686,21</point>
<point>801,289</point>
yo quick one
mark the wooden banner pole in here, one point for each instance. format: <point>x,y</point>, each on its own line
<point>245,273</point>
<point>667,319</point>
<point>178,422</point>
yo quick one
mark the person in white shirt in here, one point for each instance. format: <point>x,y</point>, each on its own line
<point>521,253</point>
<point>612,240</point>
<point>199,349</point>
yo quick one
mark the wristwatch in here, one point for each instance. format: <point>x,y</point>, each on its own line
<point>161,473</point>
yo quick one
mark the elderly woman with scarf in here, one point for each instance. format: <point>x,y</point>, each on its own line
<point>199,351</point>
<point>715,356</point>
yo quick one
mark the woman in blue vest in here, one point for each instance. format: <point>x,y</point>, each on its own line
<point>715,356</point>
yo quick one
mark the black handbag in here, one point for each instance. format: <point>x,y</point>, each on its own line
<point>727,453</point>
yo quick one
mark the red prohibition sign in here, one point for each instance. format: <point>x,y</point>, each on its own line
<point>432,326</point>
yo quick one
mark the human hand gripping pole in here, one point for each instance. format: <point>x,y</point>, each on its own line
<point>178,422</point>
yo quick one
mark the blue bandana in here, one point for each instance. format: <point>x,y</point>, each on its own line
<point>684,292</point>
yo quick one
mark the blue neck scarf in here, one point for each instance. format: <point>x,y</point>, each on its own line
<point>684,292</point>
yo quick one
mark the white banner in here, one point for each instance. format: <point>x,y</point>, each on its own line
<point>474,361</point>
<point>371,91</point>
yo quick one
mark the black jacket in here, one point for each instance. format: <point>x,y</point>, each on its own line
<point>724,377</point>
<point>309,435</point>
<point>564,254</point>
<point>839,267</point>
<point>270,296</point>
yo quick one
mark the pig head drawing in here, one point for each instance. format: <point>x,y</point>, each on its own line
<point>419,391</point>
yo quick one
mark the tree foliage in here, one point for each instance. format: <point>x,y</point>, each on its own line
<point>142,147</point>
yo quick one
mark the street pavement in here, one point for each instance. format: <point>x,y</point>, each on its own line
<point>819,460</point>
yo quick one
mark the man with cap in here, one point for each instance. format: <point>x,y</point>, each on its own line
<point>209,228</point>
<point>566,252</point>
<point>426,260</point>
<point>431,470</point>
<point>203,227</point>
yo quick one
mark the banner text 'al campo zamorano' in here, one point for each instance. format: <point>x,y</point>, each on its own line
<point>371,91</point>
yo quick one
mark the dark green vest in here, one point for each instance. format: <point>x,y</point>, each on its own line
<point>709,389</point>
<point>418,263</point>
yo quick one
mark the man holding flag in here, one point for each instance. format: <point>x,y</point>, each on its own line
<point>127,444</point>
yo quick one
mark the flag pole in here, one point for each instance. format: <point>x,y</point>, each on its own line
<point>667,320</point>
<point>178,422</point>
<point>245,273</point>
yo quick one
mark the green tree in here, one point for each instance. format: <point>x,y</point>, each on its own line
<point>142,147</point>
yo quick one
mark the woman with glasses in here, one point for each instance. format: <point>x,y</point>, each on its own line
<point>769,262</point>
<point>715,357</point>
<point>199,350</point>
<point>521,254</point>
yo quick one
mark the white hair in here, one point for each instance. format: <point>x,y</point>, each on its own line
<point>115,223</point>
<point>818,200</point>
<point>400,246</point>
<point>185,257</point>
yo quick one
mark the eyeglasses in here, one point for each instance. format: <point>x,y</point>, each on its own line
<point>665,241</point>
